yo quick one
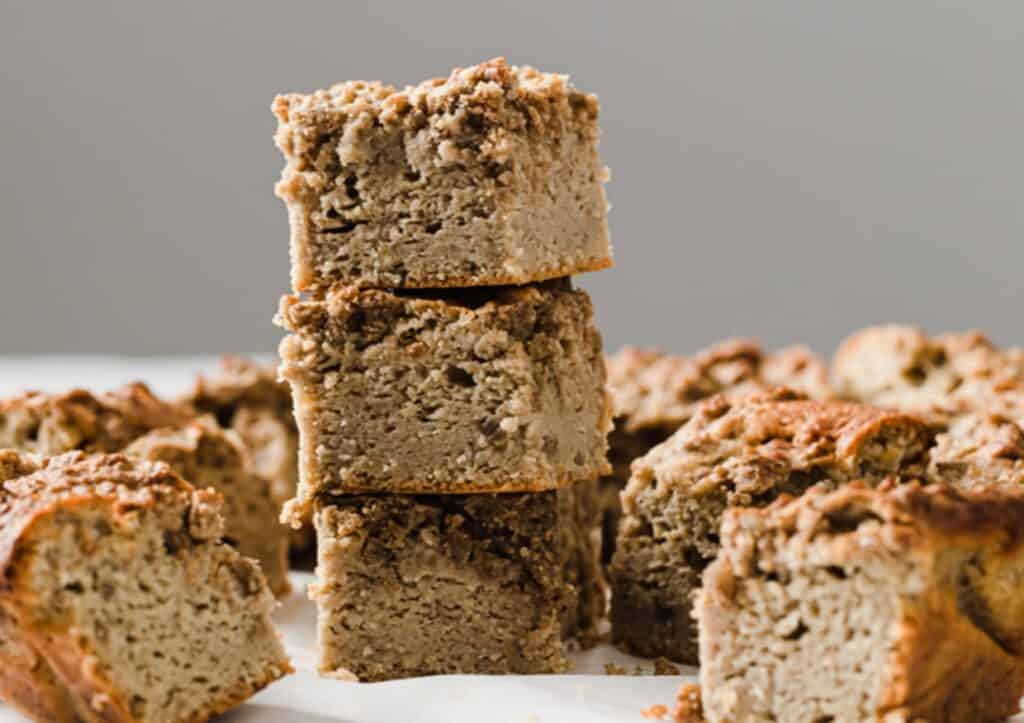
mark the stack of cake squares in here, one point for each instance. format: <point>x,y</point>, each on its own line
<point>448,379</point>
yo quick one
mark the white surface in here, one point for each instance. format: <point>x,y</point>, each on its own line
<point>588,695</point>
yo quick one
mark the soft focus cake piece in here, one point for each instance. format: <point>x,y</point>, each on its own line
<point>937,377</point>
<point>479,390</point>
<point>119,602</point>
<point>413,585</point>
<point>206,455</point>
<point>248,398</point>
<point>490,176</point>
<point>50,424</point>
<point>735,453</point>
<point>654,393</point>
<point>210,457</point>
<point>866,605</point>
<point>979,450</point>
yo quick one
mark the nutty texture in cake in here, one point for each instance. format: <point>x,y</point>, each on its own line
<point>51,424</point>
<point>413,585</point>
<point>210,457</point>
<point>864,604</point>
<point>248,398</point>
<point>937,377</point>
<point>654,393</point>
<point>118,602</point>
<point>735,453</point>
<point>490,176</point>
<point>479,390</point>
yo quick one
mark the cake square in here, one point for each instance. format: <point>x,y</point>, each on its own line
<point>210,457</point>
<point>867,604</point>
<point>119,601</point>
<point>249,399</point>
<point>488,177</point>
<point>740,453</point>
<point>132,420</point>
<point>478,390</point>
<point>654,393</point>
<point>412,585</point>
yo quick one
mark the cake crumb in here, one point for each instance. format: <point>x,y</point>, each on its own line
<point>655,712</point>
<point>613,669</point>
<point>663,666</point>
<point>689,706</point>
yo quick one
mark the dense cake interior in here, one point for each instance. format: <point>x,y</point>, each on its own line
<point>810,644</point>
<point>429,584</point>
<point>418,395</point>
<point>180,625</point>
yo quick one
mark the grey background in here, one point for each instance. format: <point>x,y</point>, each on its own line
<point>784,170</point>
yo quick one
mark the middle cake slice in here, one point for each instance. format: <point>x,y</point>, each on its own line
<point>481,390</point>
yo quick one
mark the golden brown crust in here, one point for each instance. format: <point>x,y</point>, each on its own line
<point>776,429</point>
<point>55,423</point>
<point>857,521</point>
<point>654,390</point>
<point>485,84</point>
<point>939,378</point>
<point>979,449</point>
<point>76,478</point>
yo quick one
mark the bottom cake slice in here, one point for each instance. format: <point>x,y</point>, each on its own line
<point>866,605</point>
<point>118,601</point>
<point>414,585</point>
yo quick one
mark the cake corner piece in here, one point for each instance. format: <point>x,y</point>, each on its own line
<point>107,537</point>
<point>908,591</point>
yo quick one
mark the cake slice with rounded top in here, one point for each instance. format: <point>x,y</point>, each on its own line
<point>476,390</point>
<point>489,176</point>
<point>732,453</point>
<point>860,604</point>
<point>249,399</point>
<point>211,457</point>
<point>119,602</point>
<point>131,419</point>
<point>937,377</point>
<point>654,393</point>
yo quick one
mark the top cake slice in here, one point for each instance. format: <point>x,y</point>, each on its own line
<point>488,177</point>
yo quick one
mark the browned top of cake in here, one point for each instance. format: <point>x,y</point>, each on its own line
<point>755,443</point>
<point>651,389</point>
<point>240,382</point>
<point>979,449</point>
<point>540,98</point>
<point>32,487</point>
<point>939,377</point>
<point>54,423</point>
<point>857,522</point>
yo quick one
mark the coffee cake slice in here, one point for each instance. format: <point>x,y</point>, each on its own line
<point>249,399</point>
<point>413,585</point>
<point>490,176</point>
<point>864,604</point>
<point>118,601</point>
<point>211,457</point>
<point>735,453</point>
<point>478,390</point>
<point>936,377</point>
<point>653,394</point>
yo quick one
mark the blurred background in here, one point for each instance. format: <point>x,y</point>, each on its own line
<point>782,170</point>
